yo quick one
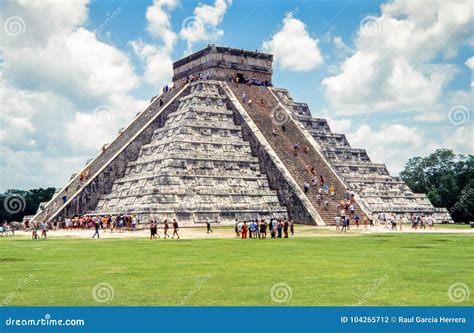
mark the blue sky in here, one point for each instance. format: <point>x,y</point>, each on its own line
<point>395,76</point>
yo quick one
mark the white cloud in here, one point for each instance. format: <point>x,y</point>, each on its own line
<point>392,144</point>
<point>470,65</point>
<point>339,126</point>
<point>158,63</point>
<point>54,75</point>
<point>159,22</point>
<point>82,66</point>
<point>204,25</point>
<point>391,67</point>
<point>293,47</point>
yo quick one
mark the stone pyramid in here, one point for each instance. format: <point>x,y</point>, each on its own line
<point>214,147</point>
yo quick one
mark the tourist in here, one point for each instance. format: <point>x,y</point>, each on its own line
<point>134,223</point>
<point>423,222</point>
<point>344,224</point>
<point>244,230</point>
<point>394,223</point>
<point>208,225</point>
<point>166,227</point>
<point>275,133</point>
<point>279,228</point>
<point>34,233</point>
<point>296,148</point>
<point>306,187</point>
<point>152,230</point>
<point>429,219</point>
<point>292,227</point>
<point>348,222</point>
<point>175,229</point>
<point>263,229</point>
<point>283,128</point>
<point>97,227</point>
<point>357,220</point>
<point>285,228</point>
<point>326,205</point>
<point>318,199</point>
<point>338,221</point>
<point>236,228</point>
<point>44,230</point>
<point>332,192</point>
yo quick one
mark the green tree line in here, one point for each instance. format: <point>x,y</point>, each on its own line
<point>447,179</point>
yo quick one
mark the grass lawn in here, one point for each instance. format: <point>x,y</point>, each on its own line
<point>377,269</point>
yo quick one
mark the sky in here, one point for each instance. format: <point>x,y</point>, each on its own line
<point>395,76</point>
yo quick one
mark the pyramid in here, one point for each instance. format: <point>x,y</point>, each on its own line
<point>220,145</point>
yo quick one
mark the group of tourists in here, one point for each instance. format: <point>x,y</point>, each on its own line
<point>154,229</point>
<point>278,228</point>
<point>119,222</point>
<point>241,79</point>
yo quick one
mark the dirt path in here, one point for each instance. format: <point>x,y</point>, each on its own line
<point>198,233</point>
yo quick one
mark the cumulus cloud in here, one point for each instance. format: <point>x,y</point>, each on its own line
<point>55,73</point>
<point>203,26</point>
<point>392,144</point>
<point>158,63</point>
<point>293,47</point>
<point>391,67</point>
<point>159,22</point>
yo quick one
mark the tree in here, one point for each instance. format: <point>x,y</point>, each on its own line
<point>15,204</point>
<point>446,178</point>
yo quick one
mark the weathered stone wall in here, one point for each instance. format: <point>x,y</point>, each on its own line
<point>222,62</point>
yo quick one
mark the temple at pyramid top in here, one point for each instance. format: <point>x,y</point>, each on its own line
<point>220,63</point>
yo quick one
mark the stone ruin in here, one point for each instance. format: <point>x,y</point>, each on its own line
<point>200,151</point>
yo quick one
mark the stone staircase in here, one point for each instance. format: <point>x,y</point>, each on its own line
<point>94,167</point>
<point>264,111</point>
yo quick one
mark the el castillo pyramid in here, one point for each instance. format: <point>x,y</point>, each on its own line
<point>220,145</point>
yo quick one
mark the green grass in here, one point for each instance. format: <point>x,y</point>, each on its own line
<point>384,269</point>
